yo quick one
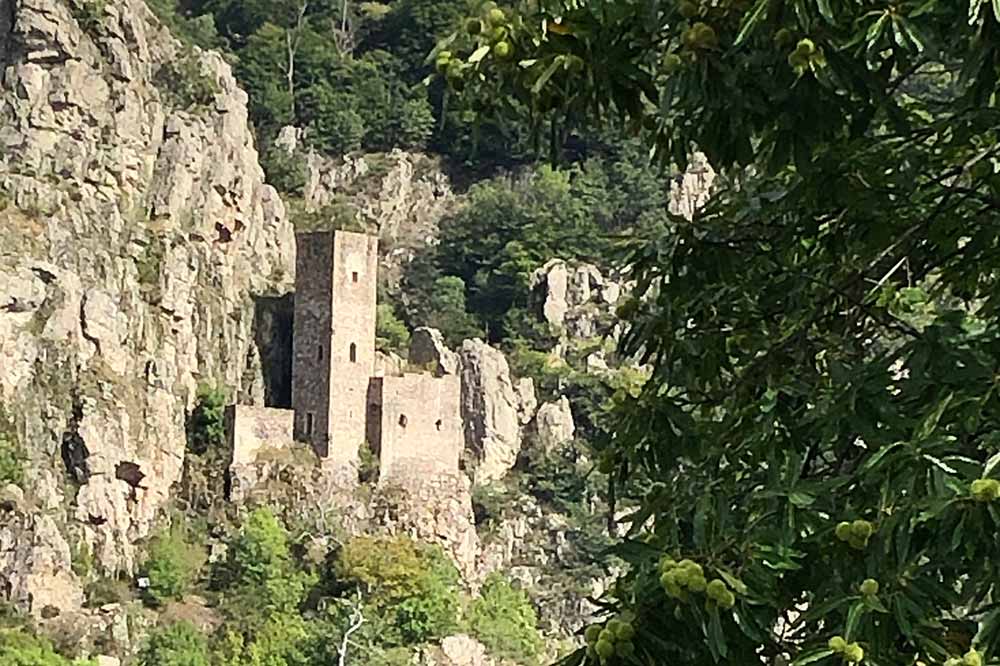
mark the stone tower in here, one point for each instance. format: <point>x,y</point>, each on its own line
<point>333,345</point>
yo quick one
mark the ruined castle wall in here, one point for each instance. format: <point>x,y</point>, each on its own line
<point>253,430</point>
<point>419,427</point>
<point>311,340</point>
<point>352,352</point>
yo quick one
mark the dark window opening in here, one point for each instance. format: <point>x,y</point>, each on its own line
<point>354,276</point>
<point>310,418</point>
<point>402,420</point>
<point>319,353</point>
<point>438,424</point>
<point>354,353</point>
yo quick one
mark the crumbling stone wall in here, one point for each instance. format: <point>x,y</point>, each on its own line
<point>416,423</point>
<point>255,429</point>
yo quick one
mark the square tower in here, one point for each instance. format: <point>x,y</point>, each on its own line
<point>333,344</point>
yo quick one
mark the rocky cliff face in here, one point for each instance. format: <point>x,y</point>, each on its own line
<point>136,233</point>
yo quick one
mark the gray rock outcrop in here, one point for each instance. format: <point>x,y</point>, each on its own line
<point>554,425</point>
<point>490,412</point>
<point>428,349</point>
<point>576,301</point>
<point>135,231</point>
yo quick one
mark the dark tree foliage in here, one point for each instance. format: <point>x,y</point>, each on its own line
<point>823,336</point>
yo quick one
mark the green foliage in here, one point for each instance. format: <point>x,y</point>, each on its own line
<point>11,460</point>
<point>172,566</point>
<point>107,590</point>
<point>368,463</point>
<point>88,13</point>
<point>197,31</point>
<point>206,425</point>
<point>284,170</point>
<point>179,644</point>
<point>184,83</point>
<point>503,619</point>
<point>438,301</point>
<point>391,334</point>
<point>20,648</point>
<point>811,420</point>
<point>411,587</point>
<point>260,574</point>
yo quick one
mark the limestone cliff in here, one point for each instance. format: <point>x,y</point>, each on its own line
<point>136,233</point>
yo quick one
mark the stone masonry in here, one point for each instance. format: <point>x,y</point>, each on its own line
<point>413,420</point>
<point>417,423</point>
<point>333,340</point>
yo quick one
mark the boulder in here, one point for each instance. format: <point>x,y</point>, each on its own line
<point>554,424</point>
<point>463,650</point>
<point>428,349</point>
<point>489,412</point>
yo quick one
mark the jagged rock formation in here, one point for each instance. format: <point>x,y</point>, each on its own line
<point>553,424</point>
<point>136,231</point>
<point>402,195</point>
<point>492,411</point>
<point>575,301</point>
<point>428,349</point>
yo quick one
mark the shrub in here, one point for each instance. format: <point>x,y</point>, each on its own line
<point>88,13</point>
<point>503,619</point>
<point>20,648</point>
<point>206,427</point>
<point>335,126</point>
<point>285,170</point>
<point>172,566</point>
<point>259,570</point>
<point>107,591</point>
<point>412,586</point>
<point>184,83</point>
<point>11,461</point>
<point>391,334</point>
<point>178,644</point>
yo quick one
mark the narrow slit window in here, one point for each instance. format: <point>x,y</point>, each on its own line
<point>319,353</point>
<point>354,353</point>
<point>310,423</point>
<point>354,276</point>
<point>402,420</point>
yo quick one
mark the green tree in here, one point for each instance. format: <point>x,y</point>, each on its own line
<point>503,619</point>
<point>391,334</point>
<point>821,415</point>
<point>260,572</point>
<point>178,644</point>
<point>172,566</point>
<point>412,587</point>
<point>206,425</point>
<point>508,229</point>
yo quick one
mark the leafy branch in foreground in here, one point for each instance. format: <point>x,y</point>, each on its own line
<point>822,412</point>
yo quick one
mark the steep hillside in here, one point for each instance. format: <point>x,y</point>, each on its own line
<point>137,231</point>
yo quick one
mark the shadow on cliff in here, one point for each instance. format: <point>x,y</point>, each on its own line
<point>272,330</point>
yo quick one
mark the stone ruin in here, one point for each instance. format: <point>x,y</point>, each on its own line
<point>411,420</point>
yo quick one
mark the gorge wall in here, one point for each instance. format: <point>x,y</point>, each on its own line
<point>137,231</point>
